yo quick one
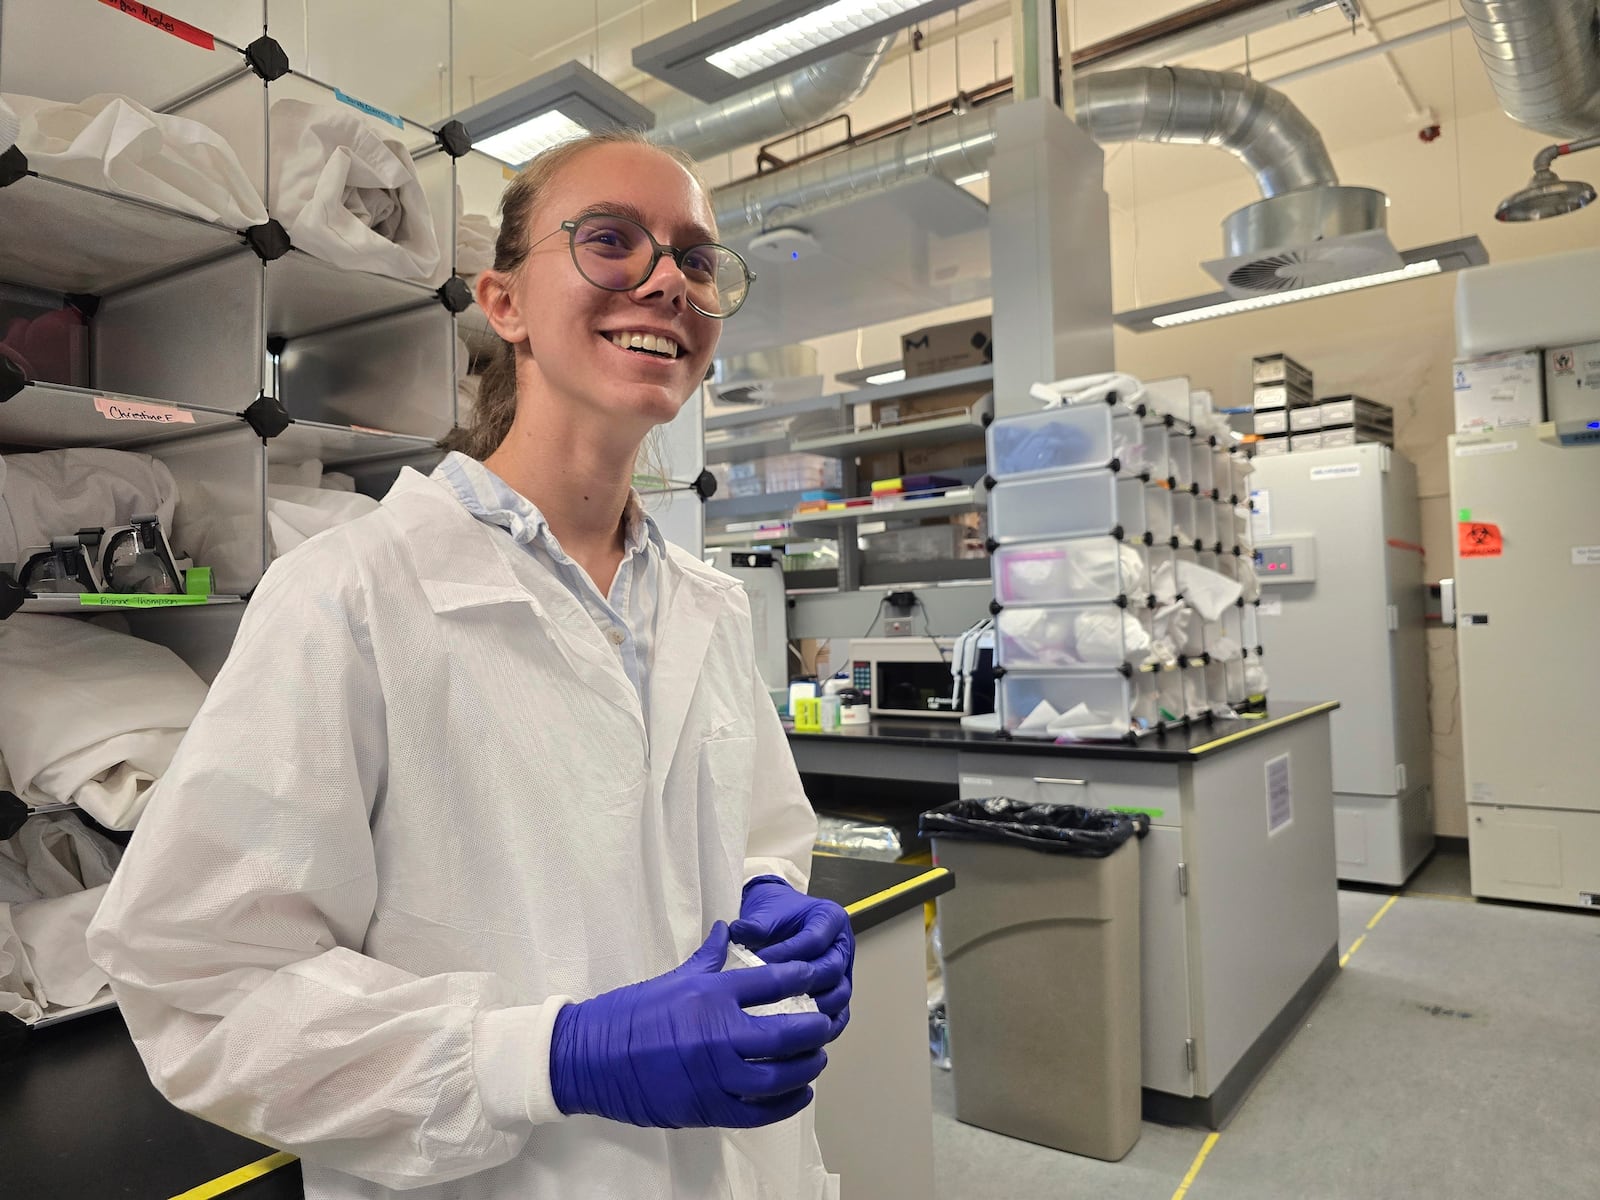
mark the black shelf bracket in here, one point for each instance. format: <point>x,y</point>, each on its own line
<point>267,59</point>
<point>12,594</point>
<point>13,166</point>
<point>454,139</point>
<point>455,295</point>
<point>268,417</point>
<point>14,815</point>
<point>270,241</point>
<point>12,379</point>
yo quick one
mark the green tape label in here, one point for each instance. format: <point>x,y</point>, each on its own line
<point>1466,515</point>
<point>118,600</point>
<point>1155,814</point>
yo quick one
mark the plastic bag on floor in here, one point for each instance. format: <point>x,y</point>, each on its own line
<point>118,145</point>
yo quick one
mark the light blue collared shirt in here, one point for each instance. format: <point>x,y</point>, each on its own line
<point>627,617</point>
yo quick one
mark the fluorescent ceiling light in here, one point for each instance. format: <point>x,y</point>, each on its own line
<point>1437,259</point>
<point>1183,34</point>
<point>820,27</point>
<point>752,41</point>
<point>552,108</point>
<point>887,377</point>
<point>1228,308</point>
<point>975,177</point>
<point>521,142</point>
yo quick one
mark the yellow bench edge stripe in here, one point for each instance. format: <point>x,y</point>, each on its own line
<point>899,889</point>
<point>237,1179</point>
<point>1276,723</point>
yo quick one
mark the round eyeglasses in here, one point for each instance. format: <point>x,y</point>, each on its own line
<point>617,254</point>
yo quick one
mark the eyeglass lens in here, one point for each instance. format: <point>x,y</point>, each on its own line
<point>615,253</point>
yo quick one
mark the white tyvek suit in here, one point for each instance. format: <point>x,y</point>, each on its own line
<point>419,809</point>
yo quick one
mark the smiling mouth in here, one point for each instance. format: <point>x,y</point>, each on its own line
<point>650,344</point>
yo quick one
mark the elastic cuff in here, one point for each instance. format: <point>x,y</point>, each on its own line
<point>511,1058</point>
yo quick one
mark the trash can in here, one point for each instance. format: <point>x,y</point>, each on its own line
<point>1041,970</point>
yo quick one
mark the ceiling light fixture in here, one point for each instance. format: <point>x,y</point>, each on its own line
<point>752,41</point>
<point>894,376</point>
<point>1438,259</point>
<point>550,109</point>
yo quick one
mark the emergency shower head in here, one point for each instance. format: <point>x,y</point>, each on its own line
<point>1548,195</point>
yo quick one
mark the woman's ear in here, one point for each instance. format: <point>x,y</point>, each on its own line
<point>497,297</point>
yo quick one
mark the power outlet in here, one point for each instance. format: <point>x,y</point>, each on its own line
<point>897,627</point>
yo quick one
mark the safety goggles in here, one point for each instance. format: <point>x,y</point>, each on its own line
<point>617,254</point>
<point>130,559</point>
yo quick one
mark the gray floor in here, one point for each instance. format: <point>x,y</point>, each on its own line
<point>1454,1059</point>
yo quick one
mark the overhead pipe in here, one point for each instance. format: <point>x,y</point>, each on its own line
<point>795,101</point>
<point>1543,59</point>
<point>1247,118</point>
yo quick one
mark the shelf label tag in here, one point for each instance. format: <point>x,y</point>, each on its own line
<point>1280,795</point>
<point>129,600</point>
<point>1342,471</point>
<point>1586,556</point>
<point>157,19</point>
<point>130,410</point>
<point>371,110</point>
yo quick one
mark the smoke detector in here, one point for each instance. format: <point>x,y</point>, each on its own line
<point>1304,239</point>
<point>788,243</point>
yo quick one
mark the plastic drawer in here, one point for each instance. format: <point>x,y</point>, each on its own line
<point>1204,462</point>
<point>1185,520</point>
<point>1180,451</point>
<point>1207,528</point>
<point>1158,451</point>
<point>1107,695</point>
<point>1071,636</point>
<point>1065,439</point>
<point>1069,505</point>
<point>1070,570</point>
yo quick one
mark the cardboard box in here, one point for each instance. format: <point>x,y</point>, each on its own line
<point>884,464</point>
<point>928,460</point>
<point>1502,391</point>
<point>939,404</point>
<point>949,347</point>
<point>1273,420</point>
<point>1280,395</point>
<point>1305,420</point>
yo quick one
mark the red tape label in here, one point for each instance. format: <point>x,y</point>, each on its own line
<point>159,20</point>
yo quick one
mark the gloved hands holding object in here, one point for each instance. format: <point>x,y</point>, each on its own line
<point>679,1052</point>
<point>786,926</point>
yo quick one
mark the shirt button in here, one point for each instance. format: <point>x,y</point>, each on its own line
<point>617,637</point>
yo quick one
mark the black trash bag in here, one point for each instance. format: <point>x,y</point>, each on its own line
<point>1051,828</point>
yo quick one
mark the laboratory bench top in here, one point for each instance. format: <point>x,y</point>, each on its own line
<point>1189,744</point>
<point>81,1119</point>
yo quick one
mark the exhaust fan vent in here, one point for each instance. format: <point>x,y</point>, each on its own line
<point>1304,239</point>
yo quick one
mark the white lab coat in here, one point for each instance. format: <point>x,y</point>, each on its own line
<point>419,810</point>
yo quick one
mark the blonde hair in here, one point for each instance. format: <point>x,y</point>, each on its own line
<point>496,405</point>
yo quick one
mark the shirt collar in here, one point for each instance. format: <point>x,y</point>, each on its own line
<point>492,500</point>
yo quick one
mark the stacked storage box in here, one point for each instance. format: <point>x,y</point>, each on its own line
<point>1346,420</point>
<point>1097,511</point>
<point>1281,389</point>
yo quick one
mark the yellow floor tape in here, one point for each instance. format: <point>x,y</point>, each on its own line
<point>237,1179</point>
<point>1194,1167</point>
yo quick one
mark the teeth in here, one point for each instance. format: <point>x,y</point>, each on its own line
<point>664,346</point>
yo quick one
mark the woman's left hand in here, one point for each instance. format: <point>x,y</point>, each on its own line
<point>783,925</point>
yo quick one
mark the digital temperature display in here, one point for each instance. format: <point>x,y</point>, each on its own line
<point>1275,560</point>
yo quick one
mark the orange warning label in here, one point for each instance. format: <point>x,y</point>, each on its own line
<point>159,20</point>
<point>1477,540</point>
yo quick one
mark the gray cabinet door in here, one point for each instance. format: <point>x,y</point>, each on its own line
<point>1164,957</point>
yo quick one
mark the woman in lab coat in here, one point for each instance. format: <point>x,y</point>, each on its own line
<point>433,893</point>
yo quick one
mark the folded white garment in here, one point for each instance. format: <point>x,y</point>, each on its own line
<point>1111,635</point>
<point>90,716</point>
<point>118,145</point>
<point>19,987</point>
<point>62,855</point>
<point>475,238</point>
<point>52,936</point>
<point>307,474</point>
<point>54,493</point>
<point>9,122</point>
<point>349,194</point>
<point>1211,592</point>
<point>295,514</point>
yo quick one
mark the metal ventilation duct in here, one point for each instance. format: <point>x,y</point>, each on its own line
<point>1543,59</point>
<point>795,101</point>
<point>1308,229</point>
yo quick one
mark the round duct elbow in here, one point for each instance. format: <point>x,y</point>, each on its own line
<point>1304,239</point>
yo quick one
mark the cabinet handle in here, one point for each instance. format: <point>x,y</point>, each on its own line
<point>1064,782</point>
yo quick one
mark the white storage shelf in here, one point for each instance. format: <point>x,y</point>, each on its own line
<point>937,430</point>
<point>956,500</point>
<point>1071,570</point>
<point>1072,636</point>
<point>1066,439</point>
<point>1025,700</point>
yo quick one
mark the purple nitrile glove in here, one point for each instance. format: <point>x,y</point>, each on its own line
<point>783,925</point>
<point>679,1052</point>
